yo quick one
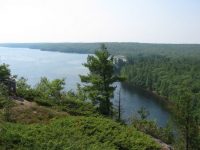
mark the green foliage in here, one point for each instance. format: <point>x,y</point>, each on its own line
<point>51,90</point>
<point>143,112</point>
<point>44,102</point>
<point>45,93</point>
<point>80,94</point>
<point>50,93</point>
<point>164,75</point>
<point>78,108</point>
<point>116,48</point>
<point>8,104</point>
<point>4,72</point>
<point>3,95</point>
<point>175,78</point>
<point>2,101</point>
<point>5,103</point>
<point>71,132</point>
<point>5,77</point>
<point>99,81</point>
<point>151,128</point>
<point>24,90</point>
<point>75,133</point>
<point>188,118</point>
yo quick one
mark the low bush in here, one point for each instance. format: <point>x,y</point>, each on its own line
<point>151,128</point>
<point>75,133</point>
<point>78,108</point>
<point>25,91</point>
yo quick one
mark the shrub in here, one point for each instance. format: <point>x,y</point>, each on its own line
<point>75,133</point>
<point>151,128</point>
<point>78,108</point>
<point>50,89</point>
<point>25,91</point>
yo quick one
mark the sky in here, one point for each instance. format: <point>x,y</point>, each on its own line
<point>145,21</point>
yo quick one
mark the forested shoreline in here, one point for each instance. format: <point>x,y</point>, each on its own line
<point>172,72</point>
<point>176,78</point>
<point>115,48</point>
<point>163,75</point>
<point>47,117</point>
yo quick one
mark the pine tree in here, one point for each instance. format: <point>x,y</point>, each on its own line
<point>4,72</point>
<point>99,82</point>
<point>188,119</point>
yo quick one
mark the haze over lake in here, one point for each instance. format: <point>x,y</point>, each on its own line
<point>34,64</point>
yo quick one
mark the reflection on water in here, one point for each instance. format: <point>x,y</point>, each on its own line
<point>132,99</point>
<point>33,64</point>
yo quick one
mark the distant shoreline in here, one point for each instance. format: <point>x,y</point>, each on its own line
<point>115,48</point>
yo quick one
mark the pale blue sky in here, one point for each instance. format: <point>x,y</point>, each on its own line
<point>151,21</point>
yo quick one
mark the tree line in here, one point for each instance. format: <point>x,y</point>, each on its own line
<point>175,78</point>
<point>75,120</point>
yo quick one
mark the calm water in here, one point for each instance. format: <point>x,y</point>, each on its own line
<point>34,64</point>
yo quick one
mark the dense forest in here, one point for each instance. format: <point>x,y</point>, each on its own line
<point>47,117</point>
<point>164,75</point>
<point>171,71</point>
<point>114,48</point>
<point>176,78</point>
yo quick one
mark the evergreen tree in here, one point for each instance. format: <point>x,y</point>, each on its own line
<point>188,119</point>
<point>4,72</point>
<point>99,82</point>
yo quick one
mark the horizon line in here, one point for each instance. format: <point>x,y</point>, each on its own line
<point>98,42</point>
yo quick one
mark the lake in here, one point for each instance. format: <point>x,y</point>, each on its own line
<point>34,64</point>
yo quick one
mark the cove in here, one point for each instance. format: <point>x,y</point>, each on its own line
<point>34,64</point>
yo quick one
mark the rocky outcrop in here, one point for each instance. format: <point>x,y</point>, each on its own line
<point>164,146</point>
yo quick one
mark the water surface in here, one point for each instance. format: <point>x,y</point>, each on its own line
<point>34,64</point>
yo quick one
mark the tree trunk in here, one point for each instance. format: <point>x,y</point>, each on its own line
<point>119,105</point>
<point>187,134</point>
